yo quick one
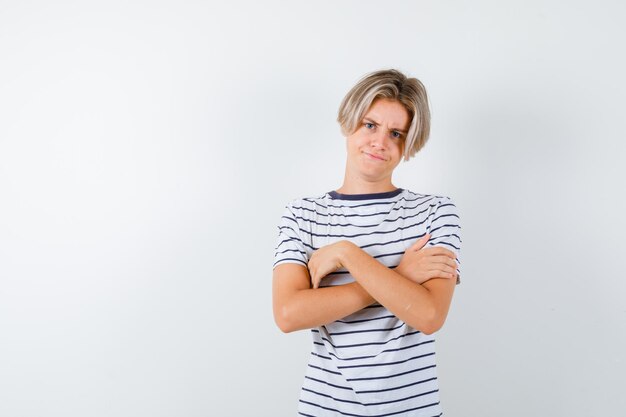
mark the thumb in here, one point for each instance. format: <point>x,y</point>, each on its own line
<point>419,244</point>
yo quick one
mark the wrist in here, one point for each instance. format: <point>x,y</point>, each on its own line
<point>346,248</point>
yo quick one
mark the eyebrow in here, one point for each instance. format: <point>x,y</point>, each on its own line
<point>368,119</point>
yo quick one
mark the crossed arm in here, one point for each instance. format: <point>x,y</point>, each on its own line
<point>418,291</point>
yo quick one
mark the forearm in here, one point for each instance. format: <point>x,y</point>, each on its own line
<point>308,308</point>
<point>409,301</point>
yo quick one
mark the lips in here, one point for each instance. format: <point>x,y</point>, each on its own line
<point>374,156</point>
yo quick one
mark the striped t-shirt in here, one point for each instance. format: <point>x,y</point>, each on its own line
<point>369,363</point>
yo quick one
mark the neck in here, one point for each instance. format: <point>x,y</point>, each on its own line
<point>364,186</point>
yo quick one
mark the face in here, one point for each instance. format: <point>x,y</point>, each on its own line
<point>375,148</point>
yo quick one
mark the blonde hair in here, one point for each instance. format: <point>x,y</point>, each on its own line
<point>393,85</point>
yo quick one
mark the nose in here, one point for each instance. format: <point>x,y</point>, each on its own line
<point>379,139</point>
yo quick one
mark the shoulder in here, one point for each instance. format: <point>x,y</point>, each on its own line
<point>433,200</point>
<point>308,204</point>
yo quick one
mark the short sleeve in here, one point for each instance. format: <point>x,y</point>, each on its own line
<point>289,246</point>
<point>445,230</point>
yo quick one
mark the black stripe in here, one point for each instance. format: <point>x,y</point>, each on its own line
<point>421,394</point>
<point>393,241</point>
<point>376,232</point>
<point>367,331</point>
<point>328,383</point>
<point>445,215</point>
<point>448,244</point>
<point>446,205</point>
<point>372,244</point>
<point>321,356</point>
<point>445,236</point>
<point>289,259</point>
<point>372,365</point>
<point>398,387</point>
<point>361,215</point>
<point>361,225</point>
<point>365,320</point>
<point>314,201</point>
<point>371,378</point>
<point>382,255</point>
<point>281,229</point>
<point>290,218</point>
<point>325,370</point>
<point>371,343</point>
<point>383,351</point>
<point>291,239</point>
<point>290,250</point>
<point>456,226</point>
<point>369,415</point>
<point>364,197</point>
<point>331,397</point>
<point>400,200</point>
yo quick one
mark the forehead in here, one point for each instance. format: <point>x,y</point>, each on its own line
<point>389,112</point>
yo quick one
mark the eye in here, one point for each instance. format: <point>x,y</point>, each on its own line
<point>396,135</point>
<point>368,125</point>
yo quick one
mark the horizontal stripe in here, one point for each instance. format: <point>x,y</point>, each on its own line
<point>390,242</point>
<point>454,226</point>
<point>321,356</point>
<point>385,243</point>
<point>382,351</point>
<point>451,235</point>
<point>291,239</point>
<point>380,232</point>
<point>366,320</point>
<point>370,343</point>
<point>327,383</point>
<point>371,365</point>
<point>289,260</point>
<point>290,250</point>
<point>295,218</point>
<point>428,199</point>
<point>389,200</point>
<point>373,378</point>
<point>447,244</point>
<point>370,415</point>
<point>366,331</point>
<point>357,214</point>
<point>335,195</point>
<point>323,369</point>
<point>398,387</point>
<point>373,403</point>
<point>445,215</point>
<point>383,255</point>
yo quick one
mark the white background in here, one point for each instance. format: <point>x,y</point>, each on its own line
<point>147,150</point>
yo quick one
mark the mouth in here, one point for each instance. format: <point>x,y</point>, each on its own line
<point>375,157</point>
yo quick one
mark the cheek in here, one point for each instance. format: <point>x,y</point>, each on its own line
<point>399,148</point>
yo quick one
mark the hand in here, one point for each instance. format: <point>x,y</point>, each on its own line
<point>420,265</point>
<point>324,261</point>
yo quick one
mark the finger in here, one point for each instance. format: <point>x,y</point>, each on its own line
<point>419,243</point>
<point>316,282</point>
<point>312,275</point>
<point>441,274</point>
<point>441,259</point>
<point>444,269</point>
<point>438,250</point>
